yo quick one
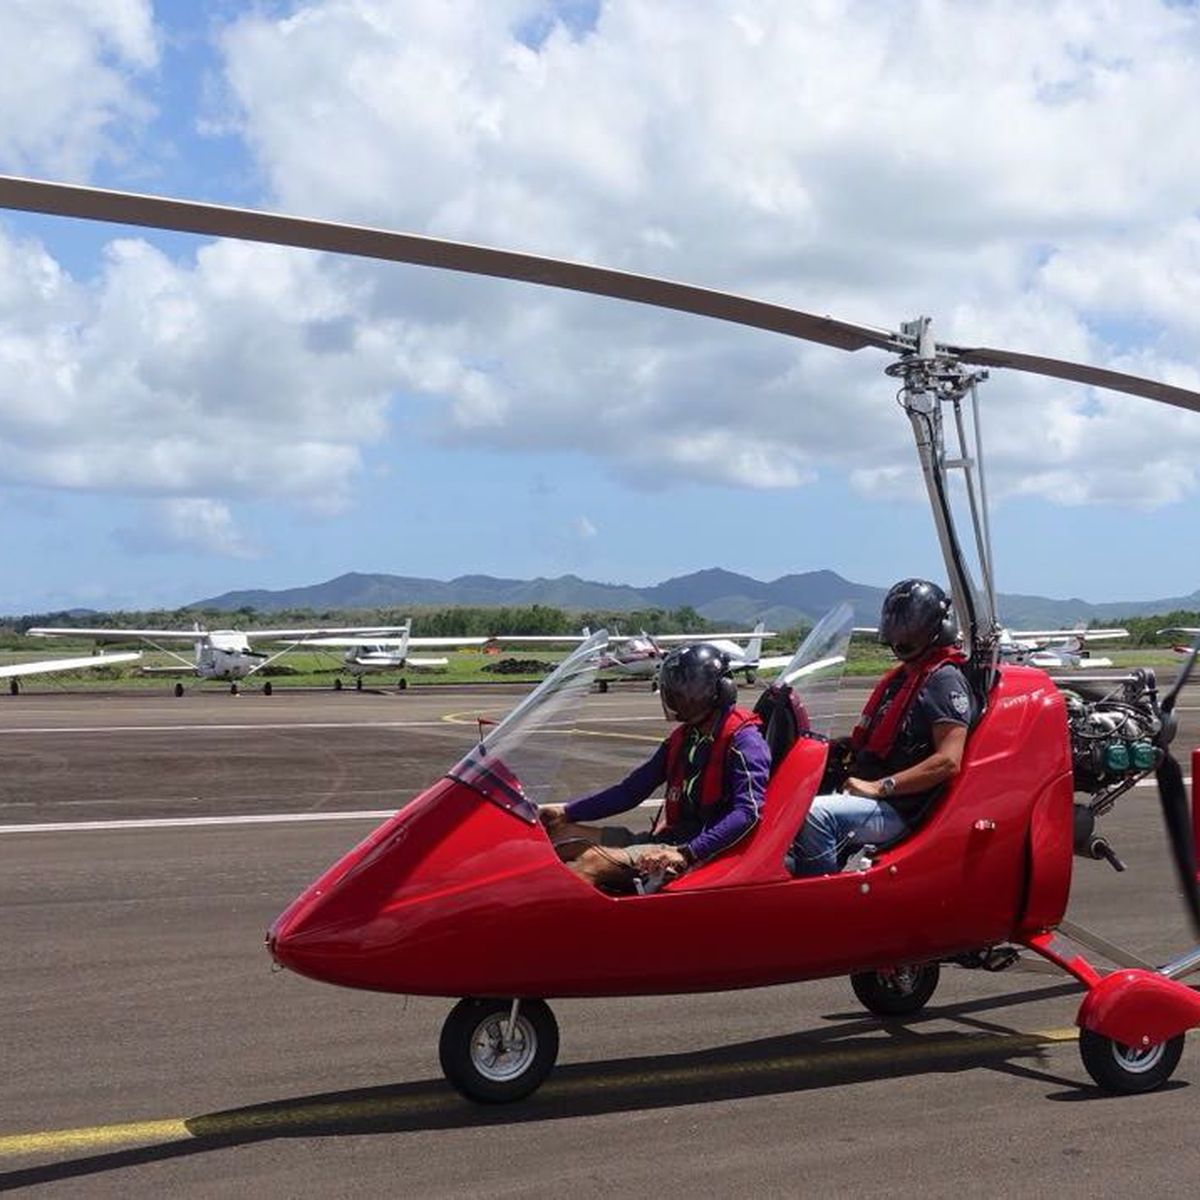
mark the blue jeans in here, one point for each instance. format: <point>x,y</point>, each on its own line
<point>837,821</point>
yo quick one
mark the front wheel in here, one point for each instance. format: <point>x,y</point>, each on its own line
<point>490,1063</point>
<point>899,992</point>
<point>1128,1069</point>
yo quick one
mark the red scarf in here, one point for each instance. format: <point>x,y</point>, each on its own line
<point>878,738</point>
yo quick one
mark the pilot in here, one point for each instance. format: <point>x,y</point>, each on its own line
<point>714,765</point>
<point>909,740</point>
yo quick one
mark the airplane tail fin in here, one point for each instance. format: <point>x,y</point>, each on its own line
<point>754,645</point>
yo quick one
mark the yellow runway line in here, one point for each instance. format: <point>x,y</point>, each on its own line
<point>296,1117</point>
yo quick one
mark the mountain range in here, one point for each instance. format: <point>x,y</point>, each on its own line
<point>716,594</point>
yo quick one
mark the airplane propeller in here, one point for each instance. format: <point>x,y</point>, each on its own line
<point>1172,794</point>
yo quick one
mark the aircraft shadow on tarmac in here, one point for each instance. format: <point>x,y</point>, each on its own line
<point>850,1051</point>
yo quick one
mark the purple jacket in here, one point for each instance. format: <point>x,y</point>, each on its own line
<point>746,774</point>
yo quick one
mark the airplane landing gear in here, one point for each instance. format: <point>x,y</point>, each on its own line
<point>495,1051</point>
<point>337,685</point>
<point>267,688</point>
<point>403,684</point>
<point>233,689</point>
<point>358,684</point>
<point>896,993</point>
<point>1128,1069</point>
<point>178,689</point>
<point>602,685</point>
<point>14,688</point>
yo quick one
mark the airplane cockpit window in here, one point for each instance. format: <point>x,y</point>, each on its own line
<point>516,764</point>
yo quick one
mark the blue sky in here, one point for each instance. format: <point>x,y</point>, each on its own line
<point>179,418</point>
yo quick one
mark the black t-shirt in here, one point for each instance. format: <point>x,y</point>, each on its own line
<point>946,697</point>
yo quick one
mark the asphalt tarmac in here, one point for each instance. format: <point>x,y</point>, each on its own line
<point>149,1049</point>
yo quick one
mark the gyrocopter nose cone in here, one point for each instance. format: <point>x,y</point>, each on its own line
<point>304,940</point>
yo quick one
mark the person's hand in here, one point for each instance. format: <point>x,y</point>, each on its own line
<point>864,787</point>
<point>553,817</point>
<point>665,859</point>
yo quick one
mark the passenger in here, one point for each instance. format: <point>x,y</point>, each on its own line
<point>909,740</point>
<point>715,767</point>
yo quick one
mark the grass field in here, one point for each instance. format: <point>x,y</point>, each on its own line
<point>308,669</point>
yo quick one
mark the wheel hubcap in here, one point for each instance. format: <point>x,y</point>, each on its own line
<point>497,1059</point>
<point>1137,1060</point>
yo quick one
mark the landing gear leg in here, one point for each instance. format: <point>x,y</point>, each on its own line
<point>358,684</point>
<point>337,685</point>
<point>495,1051</point>
<point>233,689</point>
<point>14,688</point>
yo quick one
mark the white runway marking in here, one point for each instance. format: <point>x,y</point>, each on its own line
<point>441,722</point>
<point>373,814</point>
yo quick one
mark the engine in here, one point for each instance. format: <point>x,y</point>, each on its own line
<point>1113,737</point>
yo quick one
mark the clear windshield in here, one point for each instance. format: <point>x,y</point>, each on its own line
<point>516,764</point>
<point>815,672</point>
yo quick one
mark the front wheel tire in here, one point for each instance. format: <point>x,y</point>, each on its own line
<point>896,993</point>
<point>1128,1069</point>
<point>485,1066</point>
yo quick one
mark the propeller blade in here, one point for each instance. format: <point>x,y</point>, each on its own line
<point>128,208</point>
<point>1056,368</point>
<point>1172,795</point>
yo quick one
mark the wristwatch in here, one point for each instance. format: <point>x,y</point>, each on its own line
<point>887,786</point>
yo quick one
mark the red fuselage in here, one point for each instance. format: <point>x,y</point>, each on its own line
<point>454,896</point>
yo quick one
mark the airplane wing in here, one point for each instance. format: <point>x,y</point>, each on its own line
<point>47,666</point>
<point>742,635</point>
<point>1190,630</point>
<point>367,634</point>
<point>366,640</point>
<point>1086,635</point>
<point>111,634</point>
<point>769,663</point>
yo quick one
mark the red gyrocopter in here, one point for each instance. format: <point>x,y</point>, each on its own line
<point>460,892</point>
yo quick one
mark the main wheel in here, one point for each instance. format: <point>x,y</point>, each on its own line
<point>402,684</point>
<point>14,688</point>
<point>233,689</point>
<point>178,690</point>
<point>1127,1069</point>
<point>267,688</point>
<point>896,993</point>
<point>358,684</point>
<point>602,686</point>
<point>337,685</point>
<point>485,1066</point>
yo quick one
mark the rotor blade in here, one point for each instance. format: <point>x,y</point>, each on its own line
<point>1057,368</point>
<point>127,208</point>
<point>1173,796</point>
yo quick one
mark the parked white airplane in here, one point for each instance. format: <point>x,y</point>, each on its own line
<point>217,654</point>
<point>1191,631</point>
<point>639,656</point>
<point>372,653</point>
<point>1051,648</point>
<point>13,671</point>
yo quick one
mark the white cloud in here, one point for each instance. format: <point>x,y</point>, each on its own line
<point>67,97</point>
<point>1022,170</point>
<point>190,525</point>
<point>584,528</point>
<point>1005,166</point>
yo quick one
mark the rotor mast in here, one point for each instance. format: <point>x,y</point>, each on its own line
<point>933,379</point>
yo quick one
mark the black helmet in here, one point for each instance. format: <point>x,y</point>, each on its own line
<point>694,681</point>
<point>916,615</point>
